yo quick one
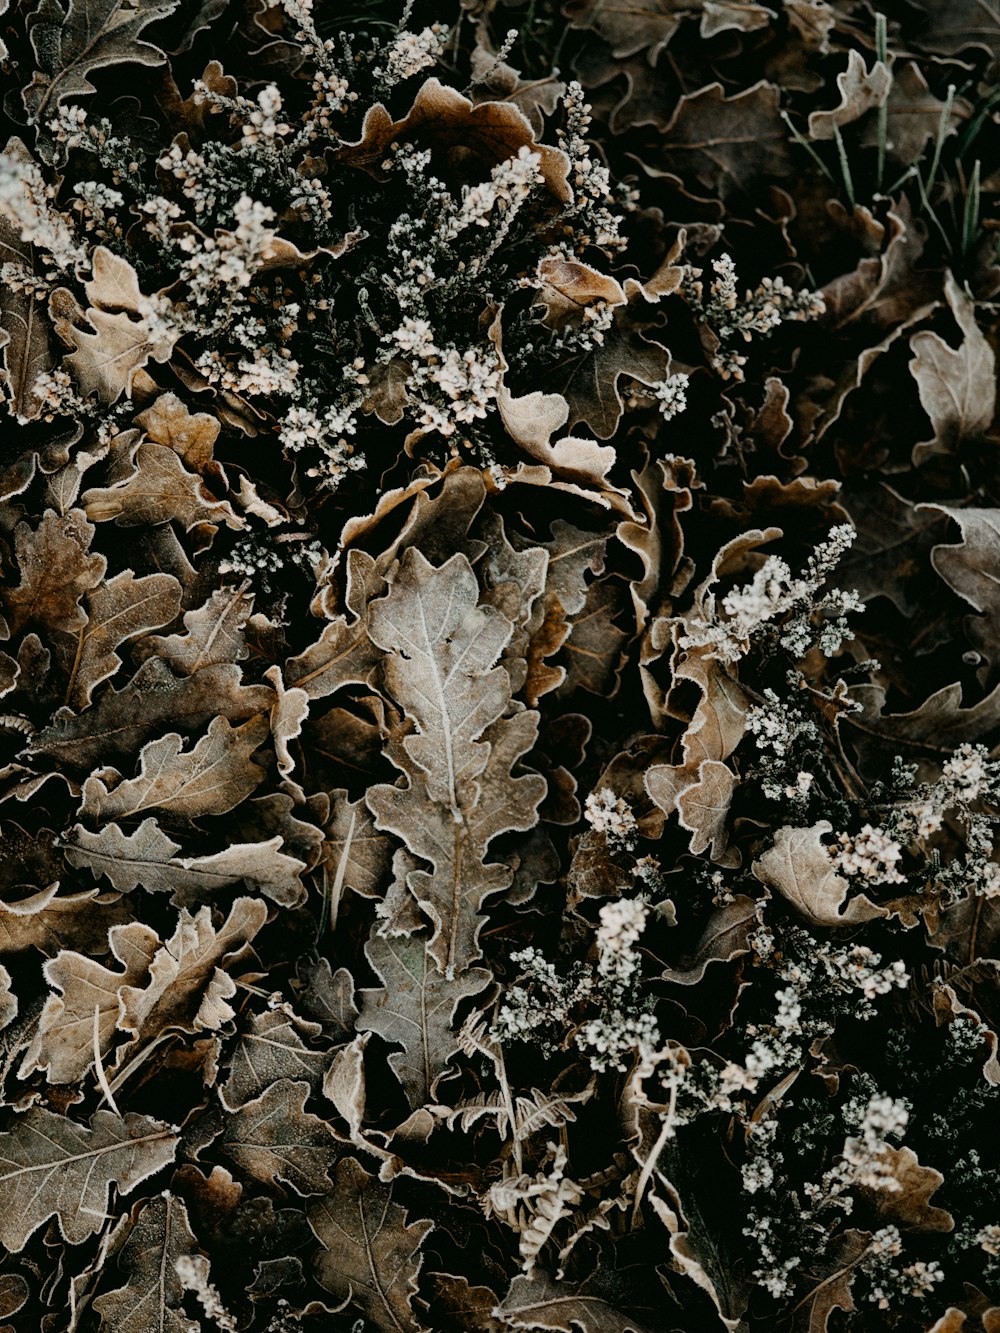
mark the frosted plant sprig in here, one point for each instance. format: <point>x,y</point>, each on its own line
<point>729,628</point>
<point>758,313</point>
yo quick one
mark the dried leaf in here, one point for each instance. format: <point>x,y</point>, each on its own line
<point>83,1016</point>
<point>71,45</point>
<point>115,726</point>
<point>52,1167</point>
<point>121,608</point>
<point>48,922</point>
<point>192,436</point>
<point>728,143</point>
<point>908,1204</point>
<point>371,1255</point>
<point>415,1008</point>
<point>957,386</point>
<point>272,1048</point>
<point>211,778</point>
<point>861,90</point>
<point>56,570</point>
<point>213,634</point>
<point>540,1302</point>
<point>153,1296</point>
<point>160,489</point>
<point>799,867</point>
<point>188,982</point>
<point>274,1138</point>
<point>441,648</point>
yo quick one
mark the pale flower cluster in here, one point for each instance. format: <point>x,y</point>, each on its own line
<point>871,854</point>
<point>760,311</point>
<point>611,815</point>
<point>409,53</point>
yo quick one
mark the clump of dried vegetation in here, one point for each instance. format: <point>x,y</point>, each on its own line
<point>500,539</point>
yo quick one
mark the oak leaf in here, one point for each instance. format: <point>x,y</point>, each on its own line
<point>56,570</point>
<point>957,386</point>
<point>187,985</point>
<point>861,90</point>
<point>113,728</point>
<point>540,1302</point>
<point>371,1256</point>
<point>213,633</point>
<point>48,922</point>
<point>274,1138</point>
<point>81,1020</point>
<point>215,775</point>
<point>414,1008</point>
<point>51,1166</point>
<point>191,435</point>
<point>272,1047</point>
<point>728,143</point>
<point>160,489</point>
<point>88,35</point>
<point>153,1296</point>
<point>119,609</point>
<point>441,647</point>
<point>800,868</point>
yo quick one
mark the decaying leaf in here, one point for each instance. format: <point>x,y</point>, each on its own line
<point>441,648</point>
<point>799,867</point>
<point>153,1296</point>
<point>216,774</point>
<point>50,1166</point>
<point>371,1254</point>
<point>414,1008</point>
<point>273,1138</point>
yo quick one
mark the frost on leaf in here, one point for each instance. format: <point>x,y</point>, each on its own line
<point>212,777</point>
<point>414,1008</point>
<point>273,1138</point>
<point>441,647</point>
<point>51,1166</point>
<point>153,1296</point>
<point>800,868</point>
<point>371,1254</point>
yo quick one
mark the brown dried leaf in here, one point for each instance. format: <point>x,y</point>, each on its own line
<point>160,489</point>
<point>119,609</point>
<point>861,90</point>
<point>188,983</point>
<point>211,778</point>
<point>908,1205</point>
<point>728,143</point>
<point>73,44</point>
<point>49,923</point>
<point>213,633</point>
<point>56,570</point>
<point>115,726</point>
<point>192,436</point>
<point>371,1255</point>
<point>52,1167</point>
<point>591,385</point>
<point>540,1302</point>
<point>415,1008</point>
<point>643,25</point>
<point>723,939</point>
<point>701,795</point>
<point>441,648</point>
<point>274,1138</point>
<point>153,1296</point>
<point>799,867</point>
<point>64,1041</point>
<point>8,1000</point>
<point>490,131</point>
<point>272,1048</point>
<point>957,386</point>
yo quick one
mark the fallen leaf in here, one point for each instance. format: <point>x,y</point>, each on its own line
<point>799,867</point>
<point>53,1167</point>
<point>371,1256</point>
